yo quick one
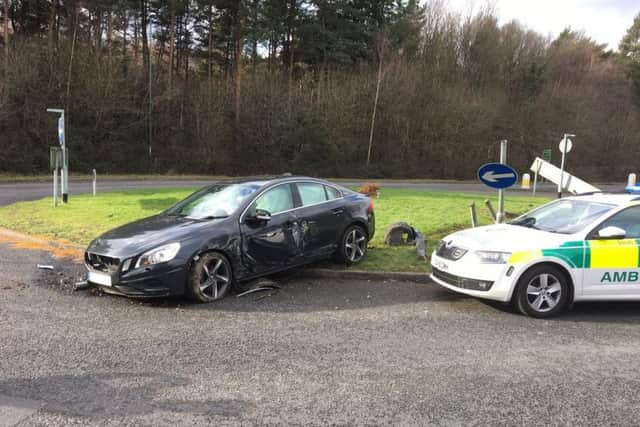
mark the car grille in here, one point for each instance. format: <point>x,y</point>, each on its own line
<point>462,282</point>
<point>101,263</point>
<point>450,252</point>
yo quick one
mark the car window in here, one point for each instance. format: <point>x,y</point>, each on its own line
<point>332,193</point>
<point>628,220</point>
<point>565,216</point>
<point>276,200</point>
<point>215,201</point>
<point>311,193</point>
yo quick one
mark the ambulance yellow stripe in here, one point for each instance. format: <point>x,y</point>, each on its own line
<point>524,257</point>
<point>614,253</point>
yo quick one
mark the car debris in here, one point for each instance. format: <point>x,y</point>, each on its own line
<point>261,285</point>
<point>82,285</point>
<point>399,234</point>
<point>44,267</point>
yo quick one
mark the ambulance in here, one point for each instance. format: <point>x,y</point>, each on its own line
<point>580,248</point>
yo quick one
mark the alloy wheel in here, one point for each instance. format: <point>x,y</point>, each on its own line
<point>544,292</point>
<point>215,278</point>
<point>355,245</point>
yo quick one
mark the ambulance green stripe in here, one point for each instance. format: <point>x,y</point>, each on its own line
<point>570,252</point>
<point>587,254</point>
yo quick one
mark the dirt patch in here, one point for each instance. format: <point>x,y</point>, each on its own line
<point>57,248</point>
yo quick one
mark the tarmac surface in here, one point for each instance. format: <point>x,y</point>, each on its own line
<point>317,352</point>
<point>13,192</point>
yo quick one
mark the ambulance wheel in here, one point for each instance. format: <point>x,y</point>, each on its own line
<point>542,292</point>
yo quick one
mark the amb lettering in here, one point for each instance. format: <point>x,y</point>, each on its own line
<point>620,277</point>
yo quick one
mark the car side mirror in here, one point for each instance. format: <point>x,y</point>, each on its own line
<point>610,233</point>
<point>259,215</point>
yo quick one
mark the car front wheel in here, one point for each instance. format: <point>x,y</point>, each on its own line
<point>353,245</point>
<point>210,278</point>
<point>542,292</point>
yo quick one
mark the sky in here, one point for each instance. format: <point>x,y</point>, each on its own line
<point>605,21</point>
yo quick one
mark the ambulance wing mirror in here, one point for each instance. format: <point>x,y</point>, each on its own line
<point>610,233</point>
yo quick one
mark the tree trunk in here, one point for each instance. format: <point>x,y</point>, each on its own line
<point>52,39</point>
<point>375,101</point>
<point>6,36</point>
<point>237,65</point>
<point>73,49</point>
<point>172,40</point>
<point>143,31</point>
<point>292,14</point>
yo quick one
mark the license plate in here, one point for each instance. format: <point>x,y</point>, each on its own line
<point>99,278</point>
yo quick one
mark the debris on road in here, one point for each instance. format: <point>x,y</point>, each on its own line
<point>44,267</point>
<point>82,285</point>
<point>261,285</point>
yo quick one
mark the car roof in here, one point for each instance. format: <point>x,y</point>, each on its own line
<point>617,199</point>
<point>265,180</point>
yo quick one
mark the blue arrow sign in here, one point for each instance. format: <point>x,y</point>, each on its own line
<point>61,130</point>
<point>497,175</point>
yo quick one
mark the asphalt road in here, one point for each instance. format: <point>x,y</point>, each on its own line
<point>316,353</point>
<point>10,193</point>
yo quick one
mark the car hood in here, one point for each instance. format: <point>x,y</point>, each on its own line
<point>505,238</point>
<point>145,234</point>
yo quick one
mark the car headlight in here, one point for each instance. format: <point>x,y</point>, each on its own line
<point>490,257</point>
<point>158,255</point>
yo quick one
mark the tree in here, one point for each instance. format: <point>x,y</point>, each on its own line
<point>630,53</point>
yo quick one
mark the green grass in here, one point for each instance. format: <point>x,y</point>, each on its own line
<point>434,213</point>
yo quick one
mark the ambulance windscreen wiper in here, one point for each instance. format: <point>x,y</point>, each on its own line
<point>528,222</point>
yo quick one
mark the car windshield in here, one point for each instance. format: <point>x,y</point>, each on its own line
<point>563,216</point>
<point>217,201</point>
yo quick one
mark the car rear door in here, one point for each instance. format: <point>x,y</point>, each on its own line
<point>277,243</point>
<point>322,217</point>
<point>614,265</point>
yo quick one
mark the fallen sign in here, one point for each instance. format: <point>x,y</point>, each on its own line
<point>553,173</point>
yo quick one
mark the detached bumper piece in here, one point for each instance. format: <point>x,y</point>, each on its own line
<point>462,282</point>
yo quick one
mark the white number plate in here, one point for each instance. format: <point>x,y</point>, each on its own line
<point>99,278</point>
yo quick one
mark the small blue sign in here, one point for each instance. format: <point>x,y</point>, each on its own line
<point>61,130</point>
<point>497,175</point>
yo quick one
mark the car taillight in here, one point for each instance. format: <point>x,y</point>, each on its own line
<point>370,210</point>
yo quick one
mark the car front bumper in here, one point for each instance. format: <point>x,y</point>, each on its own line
<point>488,281</point>
<point>161,280</point>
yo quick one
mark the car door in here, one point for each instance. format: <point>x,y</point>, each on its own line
<point>274,244</point>
<point>321,216</point>
<point>614,263</point>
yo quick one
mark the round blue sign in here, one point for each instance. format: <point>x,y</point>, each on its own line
<point>497,175</point>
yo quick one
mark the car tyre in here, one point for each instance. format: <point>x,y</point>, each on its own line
<point>353,245</point>
<point>542,292</point>
<point>210,278</point>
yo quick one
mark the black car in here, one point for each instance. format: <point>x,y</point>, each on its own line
<point>229,232</point>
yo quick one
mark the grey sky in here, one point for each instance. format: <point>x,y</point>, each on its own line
<point>605,21</point>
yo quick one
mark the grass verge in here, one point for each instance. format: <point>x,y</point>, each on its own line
<point>434,213</point>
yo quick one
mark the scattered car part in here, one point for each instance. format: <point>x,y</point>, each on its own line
<point>44,267</point>
<point>399,234</point>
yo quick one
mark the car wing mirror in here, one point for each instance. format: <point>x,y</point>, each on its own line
<point>610,233</point>
<point>259,215</point>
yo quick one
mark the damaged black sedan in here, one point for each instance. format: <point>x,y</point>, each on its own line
<point>231,232</point>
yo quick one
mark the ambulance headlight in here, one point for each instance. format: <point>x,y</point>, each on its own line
<point>490,257</point>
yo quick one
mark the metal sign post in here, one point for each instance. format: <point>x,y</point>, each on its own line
<point>565,146</point>
<point>64,184</point>
<point>93,183</point>
<point>499,176</point>
<point>503,160</point>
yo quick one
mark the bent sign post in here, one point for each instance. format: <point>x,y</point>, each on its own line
<point>499,176</point>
